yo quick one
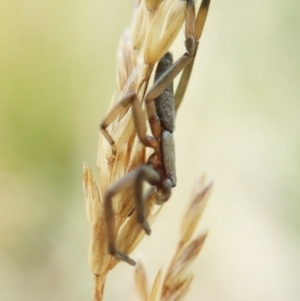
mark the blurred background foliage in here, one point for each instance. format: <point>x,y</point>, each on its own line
<point>239,122</point>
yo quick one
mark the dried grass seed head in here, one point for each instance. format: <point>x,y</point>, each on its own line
<point>154,27</point>
<point>130,153</point>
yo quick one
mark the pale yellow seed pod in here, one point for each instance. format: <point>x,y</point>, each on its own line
<point>98,255</point>
<point>162,32</point>
<point>139,26</point>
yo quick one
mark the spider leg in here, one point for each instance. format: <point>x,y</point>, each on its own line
<point>135,179</point>
<point>167,77</point>
<point>130,99</point>
<point>199,24</point>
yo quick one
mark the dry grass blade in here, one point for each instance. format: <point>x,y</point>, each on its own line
<point>154,294</point>
<point>141,281</point>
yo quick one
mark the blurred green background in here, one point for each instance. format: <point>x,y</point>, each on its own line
<point>239,122</point>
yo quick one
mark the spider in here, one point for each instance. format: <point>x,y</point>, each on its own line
<point>161,105</point>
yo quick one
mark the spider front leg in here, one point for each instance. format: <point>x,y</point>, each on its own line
<point>135,180</point>
<point>199,25</point>
<point>168,76</point>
